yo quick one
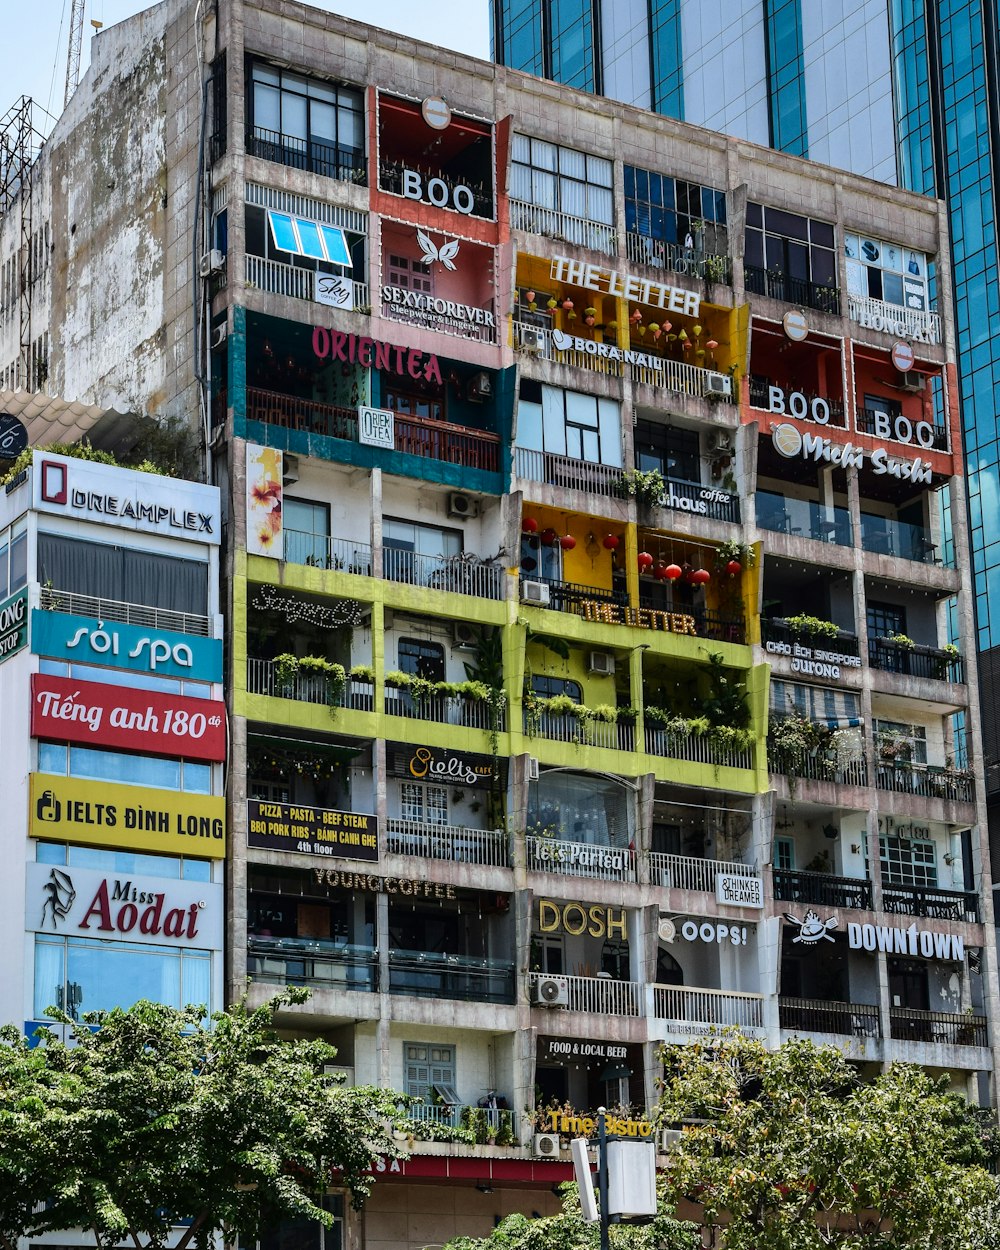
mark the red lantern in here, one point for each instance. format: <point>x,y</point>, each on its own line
<point>644,561</point>
<point>529,525</point>
<point>548,537</point>
<point>660,571</point>
<point>734,567</point>
<point>611,542</point>
<point>673,571</point>
<point>567,542</point>
<point>567,305</point>
<point>701,576</point>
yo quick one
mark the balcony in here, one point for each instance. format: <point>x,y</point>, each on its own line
<point>562,227</point>
<point>710,266</point>
<point>709,1008</point>
<point>464,575</point>
<point>817,765</point>
<point>929,901</point>
<point>313,155</point>
<point>297,283</point>
<point>916,661</point>
<point>446,709</point>
<point>543,466</point>
<point>888,537</point>
<point>907,1024</point>
<point>823,889</point>
<point>776,285</point>
<point>805,518</point>
<point>707,501</point>
<point>308,415</point>
<point>52,600</point>
<point>688,872</point>
<point>810,1015</point>
<point>453,843</point>
<point>262,679</point>
<point>697,748</point>
<point>580,859</point>
<point>390,179</point>
<point>433,974</point>
<point>573,596</point>
<point>902,323</point>
<point>870,419</point>
<point>777,629</point>
<point>315,962</point>
<point>321,551</point>
<point>579,729</point>
<point>760,398</point>
<point>601,996</point>
<point>956,785</point>
<point>491,1125</point>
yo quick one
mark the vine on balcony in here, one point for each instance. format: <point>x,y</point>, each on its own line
<point>287,667</point>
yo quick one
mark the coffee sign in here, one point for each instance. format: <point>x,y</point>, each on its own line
<point>444,767</point>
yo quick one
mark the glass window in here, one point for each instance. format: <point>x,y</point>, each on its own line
<point>884,620</point>
<point>428,804</point>
<point>886,271</point>
<point>784,853</point>
<point>908,861</point>
<point>583,427</point>
<point>421,659</point>
<point>796,251</point>
<point>306,123</point>
<point>307,529</point>
<point>562,179</point>
<point>110,861</point>
<point>913,739</point>
<point>549,687</point>
<point>124,768</point>
<point>670,211</point>
<point>13,557</point>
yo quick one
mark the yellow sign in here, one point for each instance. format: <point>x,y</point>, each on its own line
<point>133,817</point>
<point>644,618</point>
<point>575,919</point>
<point>586,1125</point>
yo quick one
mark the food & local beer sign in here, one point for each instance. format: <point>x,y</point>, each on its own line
<point>793,443</point>
<point>311,830</point>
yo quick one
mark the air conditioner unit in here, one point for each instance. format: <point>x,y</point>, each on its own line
<point>462,505</point>
<point>546,1146</point>
<point>480,387</point>
<point>212,262</point>
<point>718,384</point>
<point>913,382</point>
<point>550,992</point>
<point>289,469</point>
<point>219,334</point>
<point>720,440</point>
<point>535,592</point>
<point>532,339</point>
<point>669,1138</point>
<point>601,663</point>
<point>464,635</point>
<point>334,1069</point>
<point>532,767</point>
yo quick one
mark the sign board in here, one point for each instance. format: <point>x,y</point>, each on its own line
<point>311,830</point>
<point>136,818</point>
<point>579,855</point>
<point>334,291</point>
<point>369,353</point>
<point>812,661</point>
<point>13,624</point>
<point>436,112</point>
<point>594,920</point>
<point>383,885</point>
<point>457,768</point>
<point>123,907</point>
<point>100,715</point>
<point>125,498</point>
<point>13,436</point>
<point>702,931</point>
<point>563,342</point>
<point>739,891</point>
<point>793,443</point>
<point>581,273</point>
<point>265,472</point>
<point>902,356</point>
<point>565,1049</point>
<point>586,1125</point>
<point>83,640</point>
<point>795,325</point>
<point>376,428</point>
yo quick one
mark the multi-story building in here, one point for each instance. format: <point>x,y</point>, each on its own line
<point>592,542</point>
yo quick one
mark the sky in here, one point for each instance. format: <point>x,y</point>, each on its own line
<point>33,49</point>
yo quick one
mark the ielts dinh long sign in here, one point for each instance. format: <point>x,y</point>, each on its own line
<point>64,710</point>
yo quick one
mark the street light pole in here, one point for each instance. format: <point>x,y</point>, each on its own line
<point>602,1176</point>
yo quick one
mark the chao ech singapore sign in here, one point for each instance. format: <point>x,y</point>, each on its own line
<point>793,443</point>
<point>812,661</point>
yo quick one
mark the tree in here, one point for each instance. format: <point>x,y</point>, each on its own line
<point>155,1117</point>
<point>791,1150</point>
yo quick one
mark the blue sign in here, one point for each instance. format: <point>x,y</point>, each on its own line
<point>85,640</point>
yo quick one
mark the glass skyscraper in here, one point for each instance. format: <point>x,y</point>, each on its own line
<point>905,91</point>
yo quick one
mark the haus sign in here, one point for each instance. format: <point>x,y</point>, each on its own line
<point>793,443</point>
<point>80,902</point>
<point>673,299</point>
<point>311,830</point>
<point>83,640</point>
<point>812,661</point>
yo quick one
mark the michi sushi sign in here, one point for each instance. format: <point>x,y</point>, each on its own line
<point>794,444</point>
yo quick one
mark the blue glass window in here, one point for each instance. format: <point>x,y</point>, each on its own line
<point>303,237</point>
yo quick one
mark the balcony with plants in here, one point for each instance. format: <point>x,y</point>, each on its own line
<point>819,858</point>
<point>904,631</point>
<point>676,226</point>
<point>926,760</point>
<point>701,715</point>
<point>797,380</point>
<point>805,750</point>
<point>681,470</point>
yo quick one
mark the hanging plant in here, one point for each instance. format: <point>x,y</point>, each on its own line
<point>743,553</point>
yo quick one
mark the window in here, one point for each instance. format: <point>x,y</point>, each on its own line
<point>311,239</point>
<point>421,659</point>
<point>794,254</point>
<point>908,861</point>
<point>906,743</point>
<point>549,687</point>
<point>306,123</point>
<point>119,766</point>
<point>784,854</point>
<point>428,804</point>
<point>427,1068</point>
<point>836,708</point>
<point>669,210</point>
<point>539,560</point>
<point>415,553</point>
<point>101,860</point>
<point>301,1234</point>
<point>884,620</point>
<point>544,175</point>
<point>307,530</point>
<point>409,404</point>
<point>674,453</point>
<point>13,557</point>
<point>568,423</point>
<point>886,271</point>
<point>123,573</point>
<point>270,791</point>
<point>410,275</point>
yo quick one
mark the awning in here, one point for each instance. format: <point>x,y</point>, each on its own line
<point>52,419</point>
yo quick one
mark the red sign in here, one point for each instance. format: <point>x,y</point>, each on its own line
<point>375,354</point>
<point>130,720</point>
<point>902,356</point>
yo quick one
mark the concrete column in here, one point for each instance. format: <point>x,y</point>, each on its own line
<point>376,522</point>
<point>644,807</point>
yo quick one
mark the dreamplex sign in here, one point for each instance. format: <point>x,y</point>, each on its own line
<point>792,443</point>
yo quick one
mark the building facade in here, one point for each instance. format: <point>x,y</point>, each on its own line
<point>600,660</point>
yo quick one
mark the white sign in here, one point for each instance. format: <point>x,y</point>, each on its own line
<point>610,282</point>
<point>430,311</point>
<point>811,929</point>
<point>125,498</point>
<point>375,428</point>
<point>432,253</point>
<point>736,891</point>
<point>706,496</point>
<point>436,112</point>
<point>813,661</point>
<point>796,404</point>
<point>334,291</point>
<point>795,325</point>
<point>569,342</point>
<point>706,931</point>
<point>578,855</point>
<point>123,907</point>
<point>437,192</point>
<point>875,315</point>
<point>791,442</point>
<point>894,940</point>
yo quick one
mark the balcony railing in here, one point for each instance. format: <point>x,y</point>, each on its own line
<point>538,340</point>
<point>465,574</point>
<point>543,466</point>
<point>822,888</point>
<point>262,678</point>
<point>698,748</point>
<point>907,1024</point>
<point>127,613</point>
<point>776,285</point>
<point>581,859</point>
<point>803,517</point>
<point>915,661</point>
<point>562,227</point>
<point>600,996</point>
<point>712,1008</point>
<point>390,178</point>
<point>688,872</point>
<point>902,323</point>
<point>301,961</point>
<point>447,709</point>
<point>929,901</point>
<point>324,552</point>
<point>462,1116</point>
<point>455,843</point>
<point>278,278</point>
<point>888,537</point>
<point>818,766</point>
<point>809,1015</point>
<point>294,413</point>
<point>432,974</point>
<point>571,596</point>
<point>314,155</point>
<point>930,782</point>
<point>760,398</point>
<point>776,629</point>
<point>719,505</point>
<point>680,377</point>
<point>564,727</point>
<point>870,421</point>
<point>642,250</point>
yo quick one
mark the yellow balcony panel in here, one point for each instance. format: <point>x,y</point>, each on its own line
<point>297,714</point>
<point>312,580</point>
<point>439,734</point>
<point>430,602</point>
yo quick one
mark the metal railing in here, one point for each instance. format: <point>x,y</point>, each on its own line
<point>868,420</point>
<point>543,466</point>
<point>916,661</point>
<point>390,178</point>
<point>602,996</point>
<point>810,1015</point>
<point>888,537</point>
<point>805,518</point>
<point>314,155</point>
<point>433,974</point>
<point>324,552</point>
<point>688,872</point>
<point>563,227</point>
<point>52,600</point>
<point>465,574</point>
<point>713,1008</point>
<point>466,1116</point>
<point>907,1024</point>
<point>698,748</point>
<point>448,709</point>
<point>565,727</point>
<point>580,859</point>
<point>760,398</point>
<point>929,901</point>
<point>441,440</point>
<point>277,278</point>
<point>570,596</point>
<point>455,843</point>
<point>776,629</point>
<point>926,780</point>
<point>719,505</point>
<point>295,413</point>
<point>794,886</point>
<point>300,961</point>
<point>776,285</point>
<point>679,376</point>
<point>527,336</point>
<point>818,766</point>
<point>642,250</point>
<point>306,687</point>
<point>904,323</point>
